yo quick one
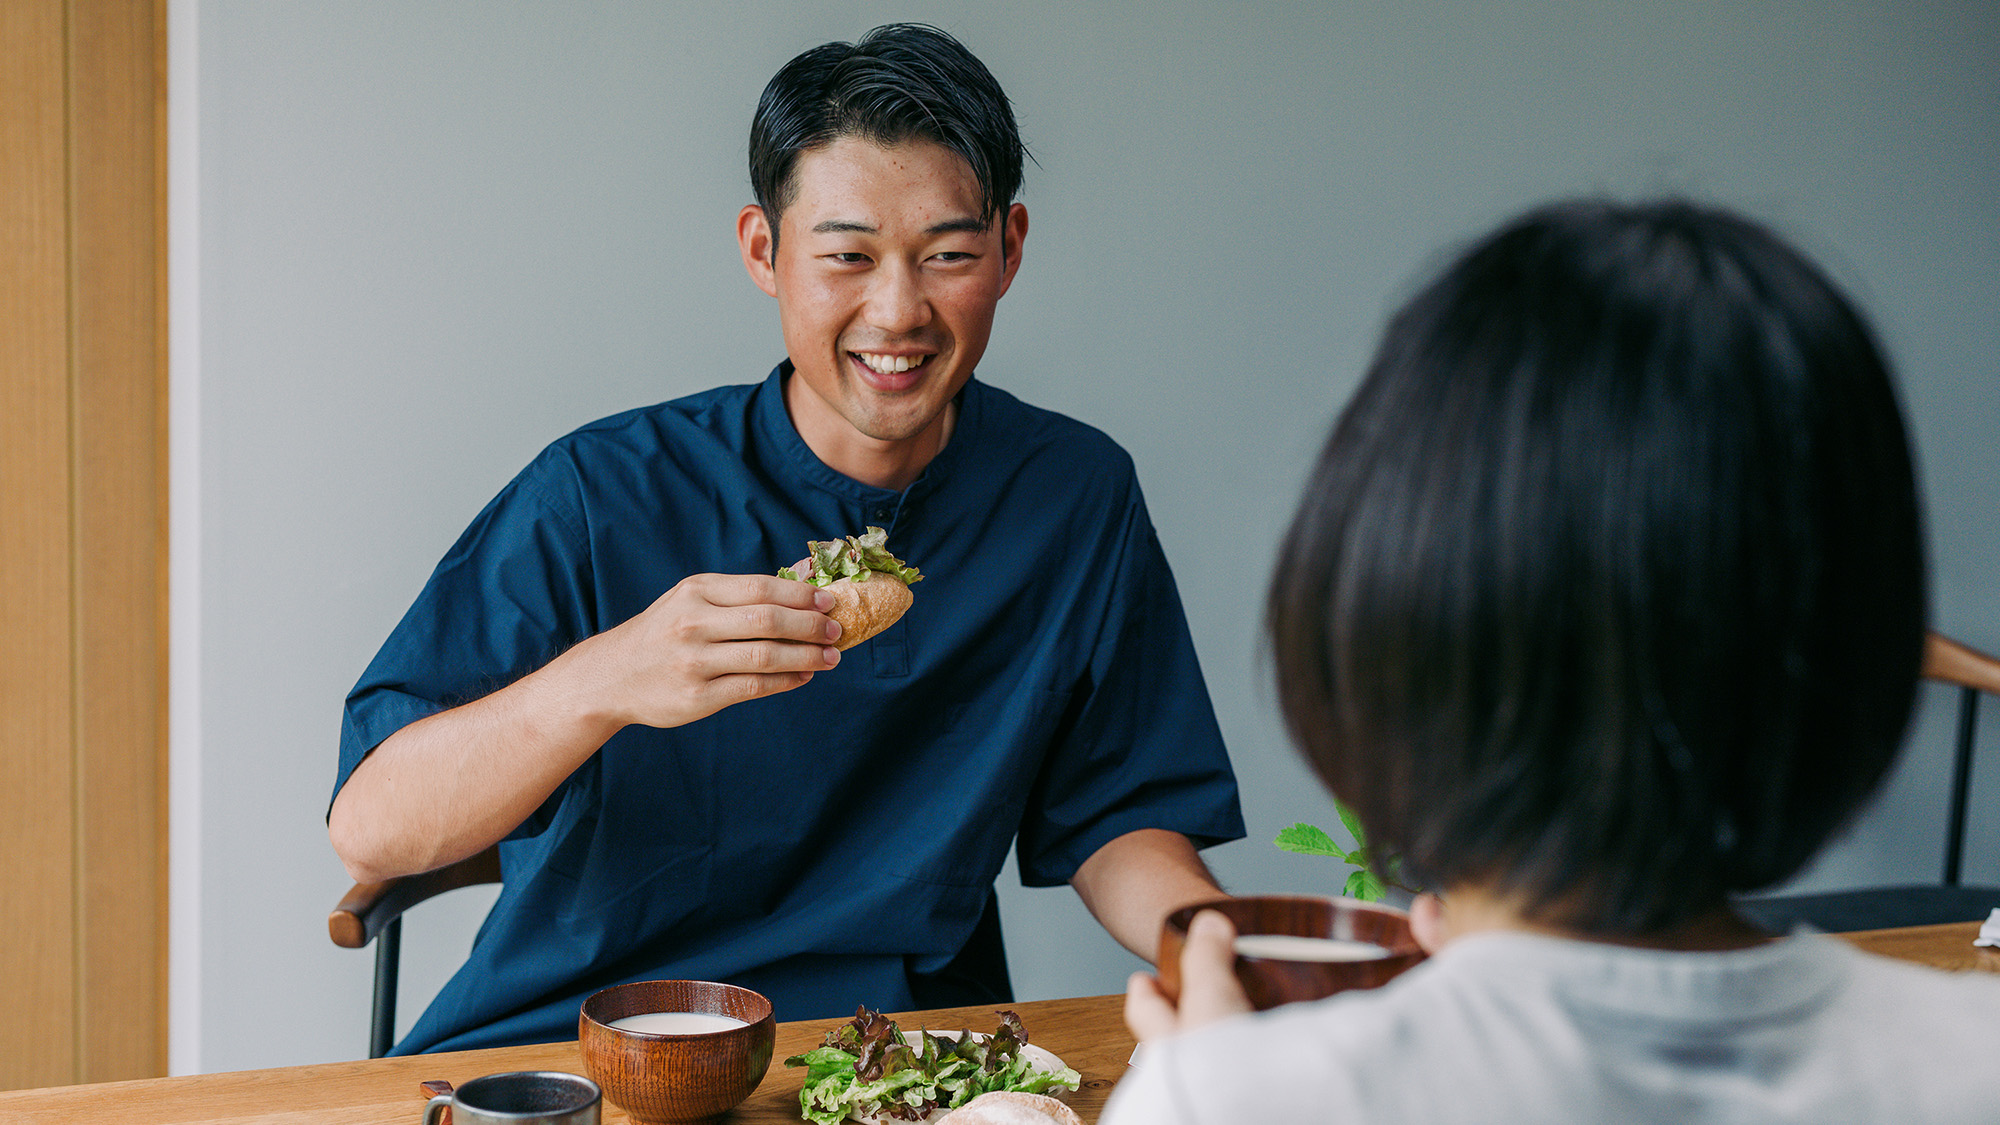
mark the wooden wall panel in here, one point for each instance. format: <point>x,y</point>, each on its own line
<point>82,535</point>
<point>116,100</point>
<point>37,782</point>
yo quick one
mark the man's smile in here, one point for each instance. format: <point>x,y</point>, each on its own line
<point>883,364</point>
<point>886,373</point>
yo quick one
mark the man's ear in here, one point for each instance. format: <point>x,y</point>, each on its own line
<point>758,242</point>
<point>1013,232</point>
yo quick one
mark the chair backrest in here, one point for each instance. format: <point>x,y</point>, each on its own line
<point>1948,661</point>
<point>374,912</point>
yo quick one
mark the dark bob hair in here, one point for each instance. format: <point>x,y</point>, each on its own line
<point>1608,588</point>
<point>899,82</point>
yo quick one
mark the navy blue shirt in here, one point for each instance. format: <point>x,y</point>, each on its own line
<point>831,844</point>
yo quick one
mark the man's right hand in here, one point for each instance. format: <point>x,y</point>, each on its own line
<point>711,641</point>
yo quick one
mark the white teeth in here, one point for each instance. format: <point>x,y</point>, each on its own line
<point>890,364</point>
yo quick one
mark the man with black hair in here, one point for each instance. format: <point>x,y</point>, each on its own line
<point>603,676</point>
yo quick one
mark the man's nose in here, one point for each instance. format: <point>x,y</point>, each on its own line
<point>897,302</point>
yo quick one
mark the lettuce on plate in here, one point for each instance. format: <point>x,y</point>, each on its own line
<point>869,1067</point>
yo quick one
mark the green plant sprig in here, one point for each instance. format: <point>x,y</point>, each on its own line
<point>1363,883</point>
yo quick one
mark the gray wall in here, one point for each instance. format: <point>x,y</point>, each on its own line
<point>417,241</point>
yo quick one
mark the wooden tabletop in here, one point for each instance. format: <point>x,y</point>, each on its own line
<point>1087,1033</point>
<point>1946,947</point>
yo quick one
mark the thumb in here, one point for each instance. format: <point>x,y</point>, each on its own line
<point>1148,1012</point>
<point>1209,988</point>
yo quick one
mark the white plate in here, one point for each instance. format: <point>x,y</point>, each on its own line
<point>1038,1059</point>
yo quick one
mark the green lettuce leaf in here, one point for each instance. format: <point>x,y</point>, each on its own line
<point>855,556</point>
<point>866,1067</point>
<point>1042,1081</point>
<point>823,1061</point>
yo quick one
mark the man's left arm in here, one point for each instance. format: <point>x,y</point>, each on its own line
<point>1135,880</point>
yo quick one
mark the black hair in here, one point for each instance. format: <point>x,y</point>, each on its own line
<point>1608,587</point>
<point>899,82</point>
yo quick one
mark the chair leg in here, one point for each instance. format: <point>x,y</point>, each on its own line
<point>382,1023</point>
<point>1961,777</point>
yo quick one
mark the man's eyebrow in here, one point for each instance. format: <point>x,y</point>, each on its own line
<point>853,226</point>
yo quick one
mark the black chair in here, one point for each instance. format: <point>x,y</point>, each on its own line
<point>374,911</point>
<point>1880,908</point>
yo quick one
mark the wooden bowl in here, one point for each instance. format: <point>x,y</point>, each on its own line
<point>676,1078</point>
<point>1271,982</point>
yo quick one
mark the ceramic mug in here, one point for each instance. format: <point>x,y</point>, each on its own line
<point>520,1097</point>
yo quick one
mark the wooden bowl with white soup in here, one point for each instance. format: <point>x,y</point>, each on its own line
<point>1300,947</point>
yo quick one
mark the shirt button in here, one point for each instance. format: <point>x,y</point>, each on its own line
<point>881,513</point>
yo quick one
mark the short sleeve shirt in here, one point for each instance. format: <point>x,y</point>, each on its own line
<point>819,844</point>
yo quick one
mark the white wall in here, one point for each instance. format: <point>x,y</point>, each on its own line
<point>414,242</point>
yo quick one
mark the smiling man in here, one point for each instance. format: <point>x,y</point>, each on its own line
<point>893,263</point>
<point>685,777</point>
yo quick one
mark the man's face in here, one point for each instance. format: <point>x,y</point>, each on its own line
<point>886,276</point>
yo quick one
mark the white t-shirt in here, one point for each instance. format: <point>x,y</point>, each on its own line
<point>1504,1028</point>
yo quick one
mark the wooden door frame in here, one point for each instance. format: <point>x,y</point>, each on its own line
<point>83,532</point>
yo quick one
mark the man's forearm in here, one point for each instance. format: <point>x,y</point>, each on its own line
<point>446,786</point>
<point>1132,883</point>
<point>450,784</point>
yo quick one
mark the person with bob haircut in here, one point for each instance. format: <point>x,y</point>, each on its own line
<point>685,777</point>
<point>1604,603</point>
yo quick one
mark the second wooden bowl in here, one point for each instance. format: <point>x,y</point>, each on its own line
<point>1274,981</point>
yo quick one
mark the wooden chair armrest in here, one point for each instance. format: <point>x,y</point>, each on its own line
<point>346,925</point>
<point>368,907</point>
<point>1954,663</point>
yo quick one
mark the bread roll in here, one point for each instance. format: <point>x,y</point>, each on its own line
<point>866,608</point>
<point>1007,1108</point>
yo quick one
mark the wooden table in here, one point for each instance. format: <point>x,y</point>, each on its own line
<point>1946,947</point>
<point>1088,1034</point>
